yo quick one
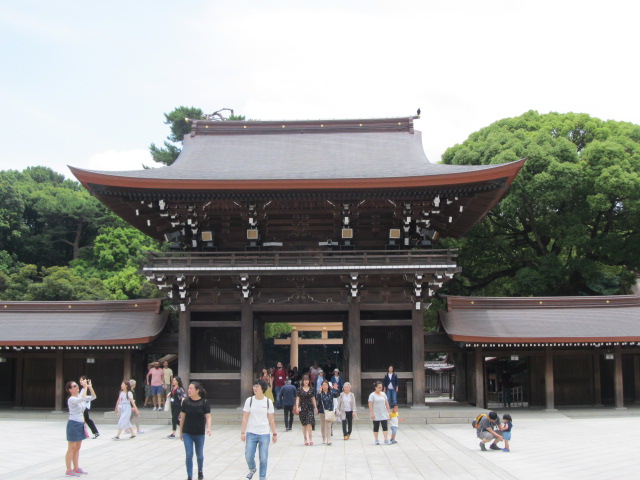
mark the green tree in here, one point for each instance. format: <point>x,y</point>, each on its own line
<point>276,330</point>
<point>569,223</point>
<point>178,121</point>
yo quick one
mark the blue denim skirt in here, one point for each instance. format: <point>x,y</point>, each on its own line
<point>75,431</point>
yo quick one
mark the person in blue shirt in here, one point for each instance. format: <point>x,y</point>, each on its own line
<point>336,382</point>
<point>507,425</point>
<point>288,394</point>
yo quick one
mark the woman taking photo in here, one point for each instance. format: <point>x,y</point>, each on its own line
<point>347,409</point>
<point>175,398</point>
<point>307,406</point>
<point>124,406</point>
<point>194,421</point>
<point>75,424</point>
<point>257,420</point>
<point>325,409</point>
<point>379,412</point>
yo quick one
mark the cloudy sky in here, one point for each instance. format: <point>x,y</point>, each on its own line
<point>86,83</point>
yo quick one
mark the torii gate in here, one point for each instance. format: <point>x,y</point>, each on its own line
<point>296,341</point>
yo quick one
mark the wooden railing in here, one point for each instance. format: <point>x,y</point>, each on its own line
<point>301,258</point>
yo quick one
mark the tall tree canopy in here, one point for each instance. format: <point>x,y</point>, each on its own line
<point>570,223</point>
<point>178,122</point>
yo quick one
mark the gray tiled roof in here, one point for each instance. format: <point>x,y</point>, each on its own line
<point>553,323</point>
<point>82,328</point>
<point>299,156</point>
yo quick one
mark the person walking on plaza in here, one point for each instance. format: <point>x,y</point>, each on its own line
<point>195,421</point>
<point>379,412</point>
<point>288,402</point>
<point>167,379</point>
<point>336,382</point>
<point>279,379</point>
<point>325,409</point>
<point>75,425</point>
<point>135,414</point>
<point>319,379</point>
<point>148,400</point>
<point>87,419</point>
<point>390,385</point>
<point>394,418</point>
<point>306,405</point>
<point>124,406</point>
<point>155,377</point>
<point>347,410</point>
<point>267,377</point>
<point>257,420</point>
<point>175,398</point>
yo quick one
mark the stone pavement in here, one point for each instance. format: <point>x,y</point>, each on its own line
<point>587,444</point>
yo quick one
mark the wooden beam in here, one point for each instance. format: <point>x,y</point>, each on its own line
<point>617,377</point>
<point>417,357</point>
<point>597,386</point>
<point>309,341</point>
<point>246,355</point>
<point>355,355</point>
<point>479,377</point>
<point>548,379</point>
<point>59,381</point>
<point>293,351</point>
<point>317,327</point>
<point>184,345</point>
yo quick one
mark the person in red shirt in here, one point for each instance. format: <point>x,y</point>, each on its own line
<point>279,379</point>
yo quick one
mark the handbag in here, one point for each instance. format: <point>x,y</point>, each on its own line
<point>330,416</point>
<point>167,405</point>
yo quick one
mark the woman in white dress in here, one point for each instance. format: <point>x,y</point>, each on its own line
<point>124,406</point>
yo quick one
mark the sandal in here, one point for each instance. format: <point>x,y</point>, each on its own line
<point>132,436</point>
<point>115,438</point>
<point>306,444</point>
<point>310,443</point>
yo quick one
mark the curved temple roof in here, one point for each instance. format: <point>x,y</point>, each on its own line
<point>301,154</point>
<point>543,319</point>
<point>125,322</point>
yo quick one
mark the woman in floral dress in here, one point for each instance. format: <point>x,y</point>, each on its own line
<point>307,406</point>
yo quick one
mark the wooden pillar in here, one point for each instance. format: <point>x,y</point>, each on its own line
<point>127,365</point>
<point>597,380</point>
<point>355,353</point>
<point>479,378</point>
<point>548,379</point>
<point>417,357</point>
<point>617,377</point>
<point>184,346</point>
<point>293,353</point>
<point>636,376</point>
<point>246,355</point>
<point>19,381</point>
<point>59,381</point>
<point>258,346</point>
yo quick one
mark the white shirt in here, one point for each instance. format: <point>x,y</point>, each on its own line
<point>346,403</point>
<point>259,411</point>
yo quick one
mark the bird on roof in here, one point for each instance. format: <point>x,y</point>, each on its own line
<point>418,112</point>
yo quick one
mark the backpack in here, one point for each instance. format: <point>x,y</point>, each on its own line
<point>475,423</point>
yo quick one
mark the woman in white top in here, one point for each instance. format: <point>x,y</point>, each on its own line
<point>124,406</point>
<point>75,426</point>
<point>257,420</point>
<point>347,409</point>
<point>379,412</point>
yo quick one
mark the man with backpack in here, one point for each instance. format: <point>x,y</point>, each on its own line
<point>486,433</point>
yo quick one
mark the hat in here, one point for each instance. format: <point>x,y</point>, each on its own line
<point>336,370</point>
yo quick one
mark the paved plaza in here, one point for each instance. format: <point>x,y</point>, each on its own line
<point>593,443</point>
